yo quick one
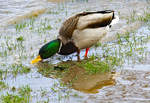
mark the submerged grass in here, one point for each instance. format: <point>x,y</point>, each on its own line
<point>134,17</point>
<point>3,74</point>
<point>130,48</point>
<point>12,98</point>
<point>20,39</point>
<point>14,70</point>
<point>22,96</point>
<point>31,25</point>
<point>3,85</point>
<point>25,24</point>
<point>19,68</point>
<point>145,18</point>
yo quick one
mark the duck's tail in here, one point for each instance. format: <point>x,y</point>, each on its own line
<point>115,20</point>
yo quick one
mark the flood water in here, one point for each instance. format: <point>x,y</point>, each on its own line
<point>26,25</point>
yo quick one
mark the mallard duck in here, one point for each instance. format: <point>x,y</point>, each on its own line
<point>80,31</point>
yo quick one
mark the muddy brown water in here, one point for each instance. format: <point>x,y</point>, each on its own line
<point>128,85</point>
<point>88,83</point>
<point>77,77</point>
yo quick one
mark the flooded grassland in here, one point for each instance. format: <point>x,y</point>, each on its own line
<point>118,68</point>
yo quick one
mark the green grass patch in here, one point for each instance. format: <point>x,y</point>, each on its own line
<point>145,18</point>
<point>95,66</point>
<point>23,96</point>
<point>20,39</point>
<point>19,68</point>
<point>12,98</point>
<point>25,24</point>
<point>33,26</point>
<point>127,48</point>
<point>3,85</point>
<point>134,17</point>
<point>3,74</point>
<point>14,70</point>
<point>92,65</point>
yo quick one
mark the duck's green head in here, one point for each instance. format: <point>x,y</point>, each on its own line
<point>47,50</point>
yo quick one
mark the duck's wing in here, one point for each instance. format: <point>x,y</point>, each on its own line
<point>95,19</point>
<point>84,20</point>
<point>67,29</point>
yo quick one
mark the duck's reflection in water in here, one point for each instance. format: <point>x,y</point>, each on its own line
<point>78,77</point>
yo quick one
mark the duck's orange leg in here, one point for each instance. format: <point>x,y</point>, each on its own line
<point>87,49</point>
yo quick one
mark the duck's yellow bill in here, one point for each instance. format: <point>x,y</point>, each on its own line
<point>37,59</point>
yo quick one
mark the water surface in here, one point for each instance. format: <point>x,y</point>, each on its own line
<point>41,21</point>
